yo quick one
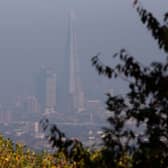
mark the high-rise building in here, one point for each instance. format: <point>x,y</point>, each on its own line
<point>40,88</point>
<point>50,92</point>
<point>75,87</point>
<point>71,95</point>
<point>46,90</point>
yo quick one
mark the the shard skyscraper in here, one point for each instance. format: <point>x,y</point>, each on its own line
<point>75,86</point>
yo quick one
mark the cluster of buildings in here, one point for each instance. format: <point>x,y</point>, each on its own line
<point>75,111</point>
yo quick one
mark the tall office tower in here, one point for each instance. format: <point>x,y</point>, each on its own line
<point>50,92</point>
<point>40,88</point>
<point>75,88</point>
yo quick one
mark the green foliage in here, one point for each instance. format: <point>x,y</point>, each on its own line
<point>72,149</point>
<point>146,103</point>
<point>18,156</point>
<point>159,32</point>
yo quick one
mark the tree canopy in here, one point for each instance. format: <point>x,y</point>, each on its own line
<point>145,104</point>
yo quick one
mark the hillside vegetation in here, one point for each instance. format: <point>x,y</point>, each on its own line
<point>19,156</point>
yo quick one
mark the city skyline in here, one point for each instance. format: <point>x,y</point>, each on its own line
<point>31,39</point>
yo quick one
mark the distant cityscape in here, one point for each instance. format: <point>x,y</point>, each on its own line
<point>78,117</point>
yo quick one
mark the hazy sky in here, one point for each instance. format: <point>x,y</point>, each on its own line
<point>33,33</point>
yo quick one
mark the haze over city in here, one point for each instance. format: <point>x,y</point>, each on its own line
<point>34,35</point>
